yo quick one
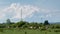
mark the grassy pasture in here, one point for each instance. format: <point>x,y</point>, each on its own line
<point>27,31</point>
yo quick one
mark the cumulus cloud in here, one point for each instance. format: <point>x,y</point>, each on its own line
<point>46,16</point>
<point>14,11</point>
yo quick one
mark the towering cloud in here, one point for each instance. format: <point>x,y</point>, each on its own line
<point>14,11</point>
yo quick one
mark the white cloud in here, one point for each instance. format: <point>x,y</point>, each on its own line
<point>2,16</point>
<point>49,15</point>
<point>46,16</point>
<point>15,10</point>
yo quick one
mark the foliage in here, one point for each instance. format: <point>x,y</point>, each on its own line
<point>33,25</point>
<point>57,30</point>
<point>46,22</point>
<point>8,21</point>
<point>1,30</point>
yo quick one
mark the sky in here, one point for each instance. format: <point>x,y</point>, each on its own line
<point>32,10</point>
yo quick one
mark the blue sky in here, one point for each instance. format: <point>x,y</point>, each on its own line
<point>32,10</point>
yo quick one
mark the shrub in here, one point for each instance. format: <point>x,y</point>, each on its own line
<point>1,30</point>
<point>43,29</point>
<point>57,30</point>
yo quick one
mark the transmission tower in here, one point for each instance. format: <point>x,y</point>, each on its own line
<point>21,15</point>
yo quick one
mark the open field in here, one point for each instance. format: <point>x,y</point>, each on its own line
<point>27,31</point>
<point>23,27</point>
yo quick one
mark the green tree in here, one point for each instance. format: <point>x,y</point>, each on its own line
<point>20,24</point>
<point>8,23</point>
<point>46,22</point>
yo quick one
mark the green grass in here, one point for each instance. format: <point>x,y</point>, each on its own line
<point>29,31</point>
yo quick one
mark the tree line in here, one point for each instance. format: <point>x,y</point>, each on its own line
<point>32,25</point>
<point>22,24</point>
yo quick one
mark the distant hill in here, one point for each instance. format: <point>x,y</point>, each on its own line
<point>54,22</point>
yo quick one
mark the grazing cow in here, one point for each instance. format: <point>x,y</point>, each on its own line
<point>30,27</point>
<point>39,27</point>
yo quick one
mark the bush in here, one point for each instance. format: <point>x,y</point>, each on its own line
<point>43,29</point>
<point>1,30</point>
<point>57,30</point>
